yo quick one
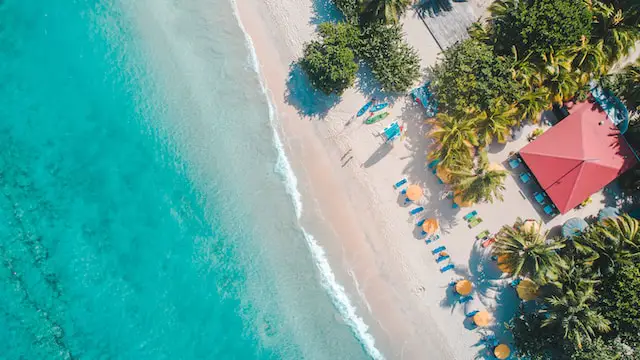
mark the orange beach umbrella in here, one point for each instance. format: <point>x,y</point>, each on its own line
<point>502,351</point>
<point>414,192</point>
<point>430,226</point>
<point>482,318</point>
<point>464,287</point>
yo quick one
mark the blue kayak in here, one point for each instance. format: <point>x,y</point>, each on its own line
<point>379,107</point>
<point>365,108</point>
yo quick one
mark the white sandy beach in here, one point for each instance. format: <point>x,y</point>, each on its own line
<point>352,209</point>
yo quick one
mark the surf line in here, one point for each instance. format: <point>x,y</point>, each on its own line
<point>336,292</point>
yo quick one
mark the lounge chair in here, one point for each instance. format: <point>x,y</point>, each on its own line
<point>470,215</point>
<point>471,313</point>
<point>474,222</point>
<point>447,268</point>
<point>416,210</point>
<point>419,223</point>
<point>539,198</point>
<point>438,249</point>
<point>465,299</point>
<point>432,239</point>
<point>515,282</point>
<point>433,164</point>
<point>549,210</point>
<point>525,177</point>
<point>400,183</point>
<point>442,258</point>
<point>482,235</point>
<point>514,163</point>
<point>486,243</point>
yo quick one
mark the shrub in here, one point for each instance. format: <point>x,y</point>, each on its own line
<point>472,76</point>
<point>330,61</point>
<point>350,9</point>
<point>394,63</point>
<point>538,25</point>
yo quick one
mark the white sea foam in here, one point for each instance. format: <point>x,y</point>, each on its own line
<point>336,291</point>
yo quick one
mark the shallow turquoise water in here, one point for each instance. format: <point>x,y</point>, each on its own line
<point>142,214</point>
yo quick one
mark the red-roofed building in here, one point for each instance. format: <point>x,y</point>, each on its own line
<point>578,156</point>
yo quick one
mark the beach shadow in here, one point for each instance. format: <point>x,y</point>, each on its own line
<point>435,7</point>
<point>304,98</point>
<point>378,155</point>
<point>325,10</point>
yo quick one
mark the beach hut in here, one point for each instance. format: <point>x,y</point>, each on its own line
<point>430,226</point>
<point>414,192</point>
<point>573,227</point>
<point>482,318</point>
<point>464,287</point>
<point>502,351</point>
<point>527,290</point>
<point>457,199</point>
<point>502,264</point>
<point>607,212</point>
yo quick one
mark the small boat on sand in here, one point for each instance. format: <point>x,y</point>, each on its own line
<point>376,118</point>
<point>378,107</point>
<point>365,107</point>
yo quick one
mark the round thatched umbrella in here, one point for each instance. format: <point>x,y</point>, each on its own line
<point>414,192</point>
<point>573,227</point>
<point>464,287</point>
<point>430,226</point>
<point>482,318</point>
<point>502,351</point>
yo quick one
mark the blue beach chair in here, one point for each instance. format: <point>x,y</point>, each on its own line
<point>539,198</point>
<point>471,313</point>
<point>400,183</point>
<point>432,239</point>
<point>419,223</point>
<point>433,164</point>
<point>465,299</point>
<point>549,210</point>
<point>514,163</point>
<point>416,210</point>
<point>438,249</point>
<point>447,268</point>
<point>525,177</point>
<point>470,215</point>
<point>442,258</point>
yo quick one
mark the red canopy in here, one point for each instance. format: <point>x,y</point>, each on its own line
<point>578,156</point>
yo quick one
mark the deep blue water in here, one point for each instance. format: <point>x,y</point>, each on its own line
<point>142,214</point>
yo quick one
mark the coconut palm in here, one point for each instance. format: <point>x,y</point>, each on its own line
<point>496,122</point>
<point>558,75</point>
<point>388,11</point>
<point>480,32</point>
<point>455,137</point>
<point>484,183</point>
<point>629,81</point>
<point>531,104</point>
<point>590,59</point>
<point>617,31</point>
<point>573,314</point>
<point>500,8</point>
<point>525,252</point>
<point>524,71</point>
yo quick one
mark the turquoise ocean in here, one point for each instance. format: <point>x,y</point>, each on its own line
<point>147,210</point>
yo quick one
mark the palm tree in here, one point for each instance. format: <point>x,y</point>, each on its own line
<point>500,8</point>
<point>558,75</point>
<point>455,137</point>
<point>484,183</point>
<point>617,32</point>
<point>590,59</point>
<point>532,104</point>
<point>573,314</point>
<point>629,81</point>
<point>496,122</point>
<point>389,11</point>
<point>525,252</point>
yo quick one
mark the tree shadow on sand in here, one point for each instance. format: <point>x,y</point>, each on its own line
<point>383,150</point>
<point>325,10</point>
<point>301,95</point>
<point>435,7</point>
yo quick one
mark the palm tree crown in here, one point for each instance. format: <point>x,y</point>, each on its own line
<point>496,122</point>
<point>455,137</point>
<point>484,183</point>
<point>525,252</point>
<point>389,11</point>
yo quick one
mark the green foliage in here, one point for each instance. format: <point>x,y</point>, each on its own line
<point>599,349</point>
<point>350,9</point>
<point>394,63</point>
<point>482,184</point>
<point>496,122</point>
<point>531,340</point>
<point>616,27</point>
<point>455,137</point>
<point>330,61</point>
<point>472,76</point>
<point>385,11</point>
<point>538,25</point>
<point>620,301</point>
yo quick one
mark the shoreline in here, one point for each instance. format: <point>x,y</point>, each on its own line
<point>393,287</point>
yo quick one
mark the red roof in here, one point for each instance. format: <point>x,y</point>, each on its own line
<point>578,156</point>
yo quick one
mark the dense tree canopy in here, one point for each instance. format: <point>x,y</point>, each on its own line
<point>472,76</point>
<point>620,300</point>
<point>538,25</point>
<point>330,61</point>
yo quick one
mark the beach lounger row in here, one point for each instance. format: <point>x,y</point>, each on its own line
<point>474,222</point>
<point>416,210</point>
<point>470,215</point>
<point>432,238</point>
